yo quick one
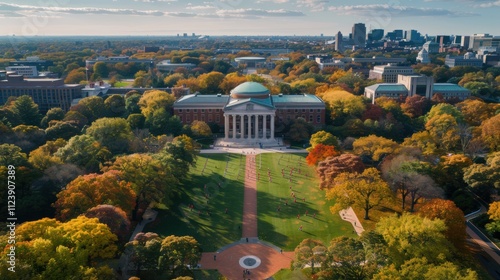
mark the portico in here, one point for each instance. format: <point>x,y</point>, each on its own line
<point>249,126</point>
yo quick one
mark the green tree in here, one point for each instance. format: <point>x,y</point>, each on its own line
<point>112,133</point>
<point>144,251</point>
<point>101,70</point>
<point>325,138</point>
<point>349,259</point>
<point>54,114</point>
<point>179,252</point>
<point>200,129</point>
<point>84,151</point>
<point>366,190</point>
<point>310,252</point>
<point>26,110</point>
<point>300,131</point>
<point>61,129</point>
<point>115,105</point>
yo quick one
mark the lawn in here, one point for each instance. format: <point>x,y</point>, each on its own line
<point>278,211</point>
<point>208,221</point>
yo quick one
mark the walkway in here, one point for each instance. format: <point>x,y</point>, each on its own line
<point>349,215</point>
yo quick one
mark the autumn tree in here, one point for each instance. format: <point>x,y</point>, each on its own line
<point>210,82</point>
<point>114,217</point>
<point>410,236</point>
<point>300,131</point>
<point>112,133</point>
<point>200,129</point>
<point>443,128</point>
<point>484,176</point>
<point>43,156</point>
<point>333,166</point>
<point>415,106</point>
<point>366,190</point>
<point>343,105</point>
<point>53,114</point>
<point>452,216</point>
<point>422,140</point>
<point>476,111</point>
<point>115,106</point>
<point>325,138</point>
<point>349,259</point>
<point>321,152</point>
<point>91,107</point>
<point>231,81</point>
<point>310,252</point>
<point>374,147</point>
<point>75,76</point>
<point>493,227</point>
<point>490,132</point>
<point>92,190</point>
<point>177,253</point>
<point>451,172</point>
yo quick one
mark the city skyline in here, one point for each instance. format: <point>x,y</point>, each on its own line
<point>237,17</point>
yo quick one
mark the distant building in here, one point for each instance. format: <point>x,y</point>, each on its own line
<point>251,61</point>
<point>465,42</point>
<point>167,66</point>
<point>376,35</point>
<point>25,71</point>
<point>40,64</point>
<point>151,49</point>
<point>442,40</point>
<point>411,85</point>
<point>431,47</point>
<point>423,56</point>
<point>359,35</point>
<point>480,40</point>
<point>47,93</point>
<point>325,63</point>
<point>339,44</point>
<point>469,59</point>
<point>413,35</point>
<point>89,63</point>
<point>389,73</point>
<point>250,114</point>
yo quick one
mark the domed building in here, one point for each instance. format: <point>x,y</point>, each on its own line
<point>249,115</point>
<point>423,56</point>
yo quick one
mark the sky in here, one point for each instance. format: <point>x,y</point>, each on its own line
<point>239,17</point>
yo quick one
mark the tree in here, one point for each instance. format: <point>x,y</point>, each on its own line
<point>422,140</point>
<point>114,217</point>
<point>231,81</point>
<point>490,132</point>
<point>112,133</point>
<point>132,103</point>
<point>76,118</point>
<point>321,152</point>
<point>445,108</point>
<point>410,236</point>
<point>493,227</point>
<point>92,190</point>
<point>333,166</point>
<point>26,110</point>
<point>53,114</point>
<point>443,128</point>
<point>115,106</point>
<point>484,175</point>
<point>179,252</point>
<point>452,216</point>
<point>310,252</point>
<point>451,172</point>
<point>92,108</point>
<point>43,156</point>
<point>84,151</point>
<point>415,106</point>
<point>29,136</point>
<point>151,181</point>
<point>300,130</point>
<point>12,155</point>
<point>144,251</point>
<point>349,259</point>
<point>200,129</point>
<point>75,76</point>
<point>366,190</point>
<point>60,129</point>
<point>343,105</point>
<point>375,147</point>
<point>325,138</point>
<point>475,111</point>
<point>101,69</point>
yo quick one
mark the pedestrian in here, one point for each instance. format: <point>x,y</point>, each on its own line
<point>225,212</point>
<point>314,216</point>
<point>300,228</point>
<point>298,216</point>
<point>295,200</point>
<point>306,212</point>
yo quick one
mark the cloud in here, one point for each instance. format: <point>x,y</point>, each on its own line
<point>313,5</point>
<point>489,4</point>
<point>396,11</point>
<point>249,13</point>
<point>82,10</point>
<point>205,7</point>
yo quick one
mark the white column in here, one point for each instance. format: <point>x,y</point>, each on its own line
<point>234,126</point>
<point>272,127</point>
<point>226,126</point>
<point>264,127</point>
<point>256,126</point>
<point>242,126</point>
<point>249,126</point>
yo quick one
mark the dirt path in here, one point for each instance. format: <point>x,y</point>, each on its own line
<point>249,228</point>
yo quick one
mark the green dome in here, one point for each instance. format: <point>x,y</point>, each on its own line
<point>250,90</point>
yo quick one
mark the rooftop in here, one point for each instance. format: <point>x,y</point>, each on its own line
<point>385,87</point>
<point>441,87</point>
<point>296,98</point>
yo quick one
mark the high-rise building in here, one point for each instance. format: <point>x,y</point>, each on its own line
<point>359,35</point>
<point>375,35</point>
<point>338,42</point>
<point>480,40</point>
<point>412,35</point>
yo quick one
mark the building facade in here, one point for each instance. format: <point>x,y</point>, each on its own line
<point>389,73</point>
<point>359,35</point>
<point>47,93</point>
<point>469,59</point>
<point>250,115</point>
<point>25,71</point>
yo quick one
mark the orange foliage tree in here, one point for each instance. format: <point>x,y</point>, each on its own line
<point>333,166</point>
<point>321,152</point>
<point>452,216</point>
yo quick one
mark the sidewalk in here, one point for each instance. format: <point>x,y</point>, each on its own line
<point>348,215</point>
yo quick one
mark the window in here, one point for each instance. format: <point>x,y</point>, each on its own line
<point>217,118</point>
<point>319,110</point>
<point>310,118</point>
<point>210,118</point>
<point>195,117</point>
<point>180,110</point>
<point>203,118</point>
<point>195,110</point>
<point>181,118</point>
<point>311,110</point>
<point>303,110</point>
<point>296,110</point>
<point>217,110</point>
<point>210,110</point>
<point>318,119</point>
<point>203,110</point>
<point>188,119</point>
<point>187,110</point>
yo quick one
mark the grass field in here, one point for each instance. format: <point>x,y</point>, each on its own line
<point>281,227</point>
<point>209,223</point>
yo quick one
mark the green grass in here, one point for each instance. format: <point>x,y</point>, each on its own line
<point>282,227</point>
<point>207,274</point>
<point>217,229</point>
<point>287,274</point>
<point>123,84</point>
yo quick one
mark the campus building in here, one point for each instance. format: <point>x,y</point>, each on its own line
<point>411,85</point>
<point>389,73</point>
<point>250,116</point>
<point>468,59</point>
<point>47,93</point>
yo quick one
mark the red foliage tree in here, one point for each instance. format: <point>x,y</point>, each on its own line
<point>373,112</point>
<point>321,152</point>
<point>333,166</point>
<point>114,217</point>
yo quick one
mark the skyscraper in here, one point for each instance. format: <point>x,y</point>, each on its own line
<point>338,42</point>
<point>359,34</point>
